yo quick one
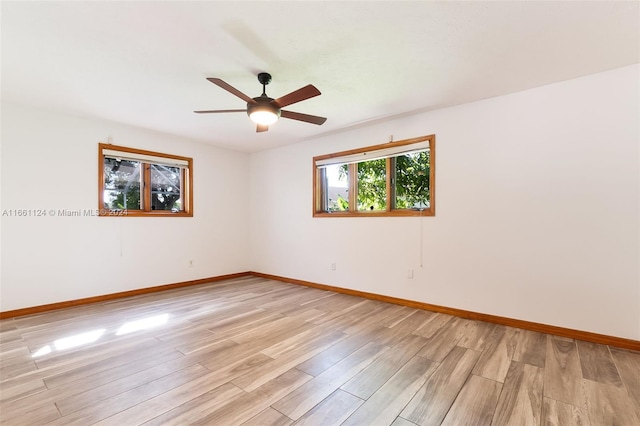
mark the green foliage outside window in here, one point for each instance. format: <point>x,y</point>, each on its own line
<point>411,182</point>
<point>121,184</point>
<point>372,185</point>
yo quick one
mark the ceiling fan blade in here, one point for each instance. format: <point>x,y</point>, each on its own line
<point>229,88</point>
<point>261,128</point>
<point>220,110</point>
<point>308,91</point>
<point>314,119</point>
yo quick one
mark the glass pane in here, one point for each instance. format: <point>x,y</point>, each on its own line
<point>372,185</point>
<point>122,183</point>
<point>337,187</point>
<point>166,184</point>
<point>412,181</point>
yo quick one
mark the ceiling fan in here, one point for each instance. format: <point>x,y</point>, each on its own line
<point>264,110</point>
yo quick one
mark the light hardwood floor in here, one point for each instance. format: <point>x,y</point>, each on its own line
<point>258,352</point>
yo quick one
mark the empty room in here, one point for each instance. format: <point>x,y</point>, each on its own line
<point>320,213</point>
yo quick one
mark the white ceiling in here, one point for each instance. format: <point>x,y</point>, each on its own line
<point>145,63</point>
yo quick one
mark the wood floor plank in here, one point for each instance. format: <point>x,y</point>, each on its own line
<point>306,349</point>
<point>276,329</point>
<point>71,400</point>
<point>496,358</point>
<point>17,366</point>
<point>520,401</point>
<point>478,334</point>
<point>609,404</point>
<point>293,343</point>
<point>11,335</point>
<point>335,303</point>
<point>556,413</point>
<point>192,344</point>
<point>99,385</point>
<point>531,348</point>
<point>387,403</point>
<point>562,373</point>
<point>268,417</point>
<point>13,349</point>
<point>433,324</point>
<point>334,354</point>
<point>106,366</point>
<point>397,314</point>
<point>364,308</point>
<point>364,321</point>
<point>233,317</point>
<point>196,408</point>
<point>597,363</point>
<point>100,410</point>
<point>365,383</point>
<point>333,410</point>
<point>433,400</point>
<point>475,404</point>
<point>294,299</point>
<point>228,353</point>
<point>248,405</point>
<point>7,325</point>
<point>172,398</point>
<point>34,416</point>
<point>53,337</point>
<point>308,314</point>
<point>296,404</point>
<point>628,364</point>
<point>444,340</point>
<point>348,318</point>
<point>12,391</point>
<point>230,371</point>
<point>93,359</point>
<point>411,323</point>
<point>399,421</point>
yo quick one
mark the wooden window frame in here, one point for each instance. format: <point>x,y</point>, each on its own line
<point>353,184</point>
<point>186,190</point>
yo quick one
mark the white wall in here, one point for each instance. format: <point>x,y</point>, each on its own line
<point>538,211</point>
<point>49,161</point>
<point>537,203</point>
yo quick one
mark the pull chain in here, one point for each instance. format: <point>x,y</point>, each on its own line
<point>421,236</point>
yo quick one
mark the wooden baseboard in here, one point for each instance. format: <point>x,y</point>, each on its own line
<point>604,339</point>
<point>119,295</point>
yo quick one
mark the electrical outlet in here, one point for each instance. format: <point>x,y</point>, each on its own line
<point>410,274</point>
<point>333,266</point>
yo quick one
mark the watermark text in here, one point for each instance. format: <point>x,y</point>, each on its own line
<point>62,212</point>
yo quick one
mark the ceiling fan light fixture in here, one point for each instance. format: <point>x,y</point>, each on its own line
<point>265,116</point>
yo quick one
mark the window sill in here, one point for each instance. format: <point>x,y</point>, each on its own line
<point>393,213</point>
<point>130,213</point>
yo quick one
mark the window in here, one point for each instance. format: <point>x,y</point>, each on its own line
<point>134,182</point>
<point>391,179</point>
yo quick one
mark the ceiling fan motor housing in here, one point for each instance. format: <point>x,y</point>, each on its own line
<point>263,103</point>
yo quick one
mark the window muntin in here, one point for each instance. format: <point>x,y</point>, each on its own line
<point>143,183</point>
<point>392,179</point>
